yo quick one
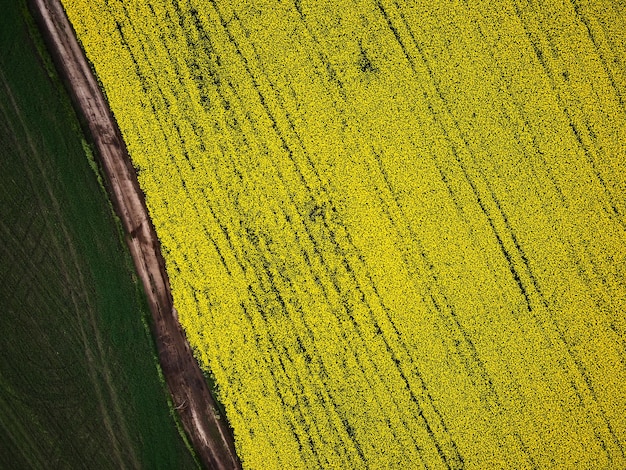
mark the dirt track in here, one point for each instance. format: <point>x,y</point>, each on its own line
<point>210,436</point>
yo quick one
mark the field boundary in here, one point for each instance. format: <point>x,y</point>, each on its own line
<point>208,432</point>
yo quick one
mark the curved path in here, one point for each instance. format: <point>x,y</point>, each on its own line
<point>209,435</point>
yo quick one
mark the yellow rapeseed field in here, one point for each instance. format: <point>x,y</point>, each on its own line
<point>395,229</point>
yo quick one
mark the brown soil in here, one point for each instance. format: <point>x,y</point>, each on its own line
<point>209,435</point>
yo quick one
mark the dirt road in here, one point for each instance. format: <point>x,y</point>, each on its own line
<point>209,435</point>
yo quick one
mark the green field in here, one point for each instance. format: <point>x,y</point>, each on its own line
<point>79,381</point>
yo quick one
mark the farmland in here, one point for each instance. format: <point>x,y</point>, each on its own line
<point>79,379</point>
<point>394,230</point>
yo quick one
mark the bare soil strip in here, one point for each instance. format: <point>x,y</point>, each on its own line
<point>210,435</point>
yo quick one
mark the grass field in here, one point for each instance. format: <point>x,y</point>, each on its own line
<point>79,383</point>
<point>394,229</point>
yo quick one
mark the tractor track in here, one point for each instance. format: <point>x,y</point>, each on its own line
<point>208,432</point>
